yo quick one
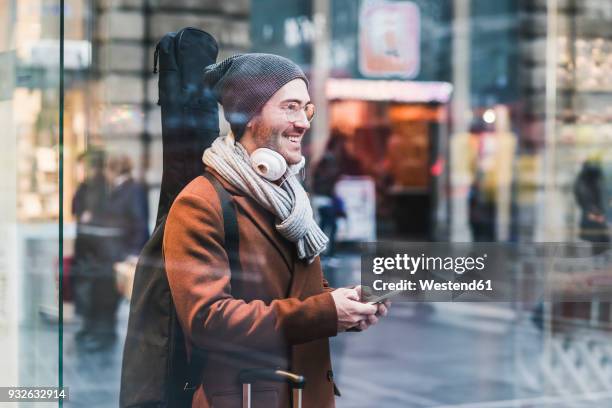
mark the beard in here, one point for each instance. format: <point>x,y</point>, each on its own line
<point>271,137</point>
<point>266,136</point>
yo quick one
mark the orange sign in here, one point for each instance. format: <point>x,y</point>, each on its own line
<point>389,40</point>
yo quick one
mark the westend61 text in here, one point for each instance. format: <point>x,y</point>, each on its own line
<point>412,264</point>
<point>430,284</point>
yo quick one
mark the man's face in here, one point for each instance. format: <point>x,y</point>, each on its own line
<point>272,128</point>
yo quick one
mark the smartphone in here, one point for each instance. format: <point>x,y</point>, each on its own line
<point>384,297</point>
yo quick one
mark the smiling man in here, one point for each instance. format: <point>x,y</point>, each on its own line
<point>282,122</point>
<point>277,311</point>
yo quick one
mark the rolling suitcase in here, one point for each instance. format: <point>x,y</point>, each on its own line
<point>248,377</point>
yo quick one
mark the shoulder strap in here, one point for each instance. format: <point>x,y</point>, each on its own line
<point>230,225</point>
<point>232,241</point>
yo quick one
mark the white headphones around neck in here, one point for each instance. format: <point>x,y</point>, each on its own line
<point>271,165</point>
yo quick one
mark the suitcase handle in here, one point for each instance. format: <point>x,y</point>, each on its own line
<point>252,375</point>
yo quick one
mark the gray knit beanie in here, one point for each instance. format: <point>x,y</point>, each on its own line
<point>244,83</point>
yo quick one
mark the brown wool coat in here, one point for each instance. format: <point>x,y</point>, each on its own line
<point>279,313</point>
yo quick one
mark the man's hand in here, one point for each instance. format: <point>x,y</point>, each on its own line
<point>351,312</point>
<point>381,310</point>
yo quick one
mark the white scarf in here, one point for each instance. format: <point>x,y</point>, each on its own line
<point>289,201</point>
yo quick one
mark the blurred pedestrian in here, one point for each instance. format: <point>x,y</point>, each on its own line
<point>589,192</point>
<point>118,229</point>
<point>126,219</point>
<point>482,211</point>
<point>330,206</point>
<point>88,208</point>
<point>590,196</point>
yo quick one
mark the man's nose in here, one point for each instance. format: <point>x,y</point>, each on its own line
<point>303,122</point>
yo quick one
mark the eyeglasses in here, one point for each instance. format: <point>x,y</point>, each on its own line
<point>293,111</point>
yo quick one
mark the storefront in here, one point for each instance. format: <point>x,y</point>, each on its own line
<point>396,135</point>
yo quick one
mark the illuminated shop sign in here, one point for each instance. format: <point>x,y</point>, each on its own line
<point>389,40</point>
<point>397,91</point>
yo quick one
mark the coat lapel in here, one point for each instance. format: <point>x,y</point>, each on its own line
<point>264,221</point>
<point>262,218</point>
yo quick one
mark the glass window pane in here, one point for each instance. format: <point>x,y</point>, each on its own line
<point>438,122</point>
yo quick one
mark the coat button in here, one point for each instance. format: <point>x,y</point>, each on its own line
<point>330,375</point>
